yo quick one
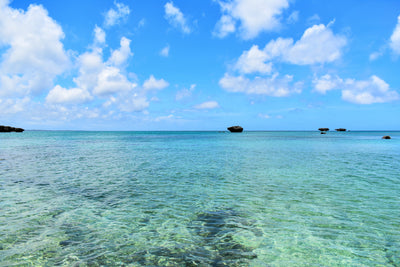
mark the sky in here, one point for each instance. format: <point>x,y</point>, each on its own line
<point>200,64</point>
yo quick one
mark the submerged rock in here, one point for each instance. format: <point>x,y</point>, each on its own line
<point>386,137</point>
<point>8,129</point>
<point>235,129</point>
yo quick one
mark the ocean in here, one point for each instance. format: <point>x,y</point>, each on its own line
<point>71,198</point>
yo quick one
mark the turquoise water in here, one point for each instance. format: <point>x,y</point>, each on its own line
<point>199,199</point>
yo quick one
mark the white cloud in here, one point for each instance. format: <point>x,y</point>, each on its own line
<point>133,103</point>
<point>111,81</point>
<point>104,78</point>
<point>225,26</point>
<point>327,83</point>
<point>153,84</point>
<point>34,54</point>
<point>207,105</point>
<point>271,86</point>
<point>164,118</point>
<point>254,61</point>
<point>12,106</point>
<point>165,51</point>
<point>293,18</point>
<point>395,38</point>
<point>373,90</point>
<point>176,18</point>
<point>375,55</point>
<point>99,35</point>
<point>60,95</point>
<point>114,17</point>
<point>121,55</point>
<point>318,45</point>
<point>185,93</point>
<point>255,16</point>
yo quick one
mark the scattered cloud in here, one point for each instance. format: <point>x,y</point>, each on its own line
<point>293,18</point>
<point>33,52</point>
<point>318,45</point>
<point>176,18</point>
<point>106,80</point>
<point>207,105</point>
<point>99,35</point>
<point>154,84</point>
<point>373,90</point>
<point>270,86</point>
<point>60,95</point>
<point>314,19</point>
<point>185,93</point>
<point>120,56</point>
<point>254,60</point>
<point>264,116</point>
<point>395,38</point>
<point>327,83</point>
<point>375,55</point>
<point>253,17</point>
<point>164,118</point>
<point>115,16</point>
<point>165,51</point>
<point>110,80</point>
<point>12,106</point>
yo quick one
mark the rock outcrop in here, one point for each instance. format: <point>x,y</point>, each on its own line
<point>386,137</point>
<point>340,130</point>
<point>8,129</point>
<point>323,129</point>
<point>235,129</point>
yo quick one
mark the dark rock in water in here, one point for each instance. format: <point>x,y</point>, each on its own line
<point>8,129</point>
<point>323,132</point>
<point>323,129</point>
<point>340,130</point>
<point>386,137</point>
<point>235,129</point>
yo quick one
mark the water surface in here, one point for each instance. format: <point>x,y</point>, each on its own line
<point>199,199</point>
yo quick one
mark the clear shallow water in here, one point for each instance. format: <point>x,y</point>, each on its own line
<point>199,199</point>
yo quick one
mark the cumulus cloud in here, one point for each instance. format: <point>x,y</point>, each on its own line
<point>60,95</point>
<point>373,90</point>
<point>133,103</point>
<point>176,18</point>
<point>121,55</point>
<point>270,86</point>
<point>115,16</point>
<point>34,54</point>
<point>207,105</point>
<point>106,79</point>
<point>253,17</point>
<point>318,45</point>
<point>327,83</point>
<point>153,84</point>
<point>395,38</point>
<point>110,81</point>
<point>254,60</point>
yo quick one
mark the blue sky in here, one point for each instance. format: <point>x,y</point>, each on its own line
<point>200,64</point>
